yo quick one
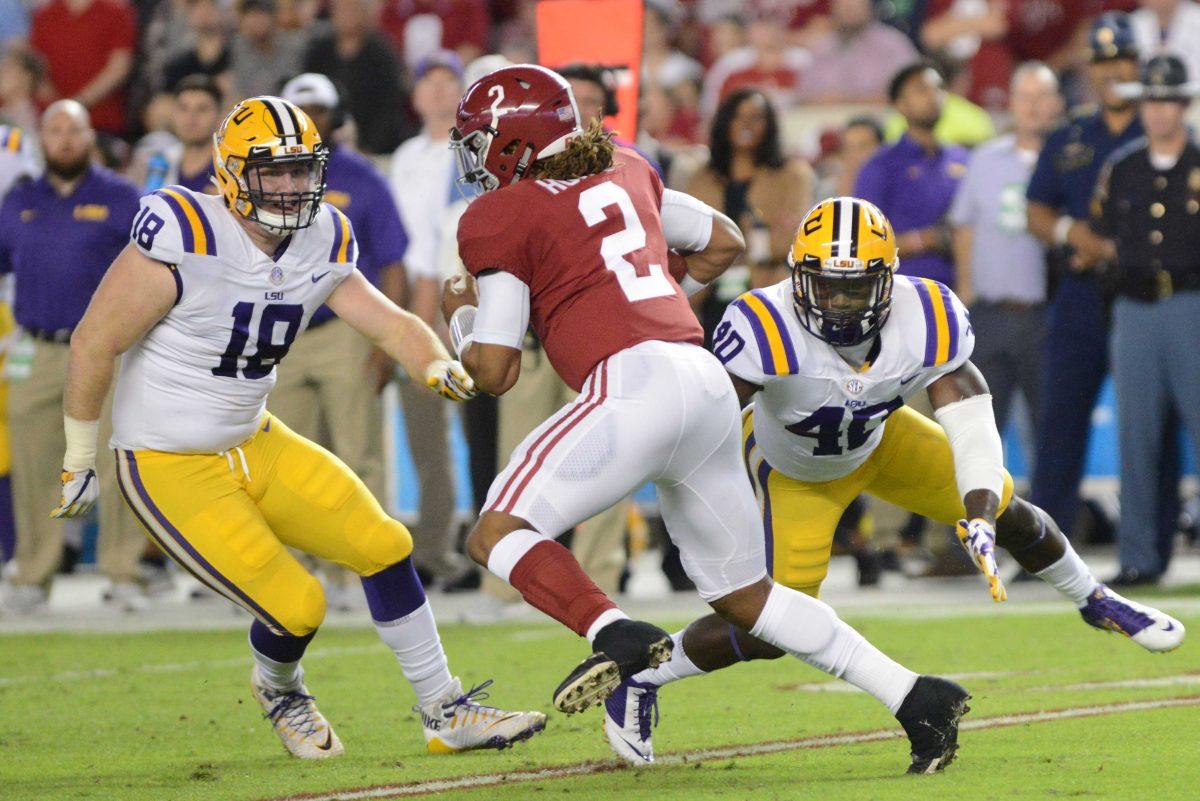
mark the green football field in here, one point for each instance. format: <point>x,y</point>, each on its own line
<point>1059,711</point>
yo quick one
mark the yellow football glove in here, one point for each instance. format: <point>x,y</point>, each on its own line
<point>979,538</point>
<point>79,494</point>
<point>449,379</point>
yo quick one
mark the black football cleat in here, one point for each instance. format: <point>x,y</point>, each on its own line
<point>621,649</point>
<point>930,715</point>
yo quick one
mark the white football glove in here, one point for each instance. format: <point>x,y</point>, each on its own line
<point>449,379</point>
<point>979,538</point>
<point>79,494</point>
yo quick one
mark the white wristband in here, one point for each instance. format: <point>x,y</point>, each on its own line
<point>690,286</point>
<point>81,444</point>
<point>970,425</point>
<point>462,326</point>
<point>1062,228</point>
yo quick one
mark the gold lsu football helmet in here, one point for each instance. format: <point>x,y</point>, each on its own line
<point>842,260</point>
<point>270,162</point>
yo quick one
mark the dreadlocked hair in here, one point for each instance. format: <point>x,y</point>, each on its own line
<point>587,154</point>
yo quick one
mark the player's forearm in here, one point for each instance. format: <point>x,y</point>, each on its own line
<point>724,247</point>
<point>89,375</point>
<point>412,344</point>
<point>1041,220</point>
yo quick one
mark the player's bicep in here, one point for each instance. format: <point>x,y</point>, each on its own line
<point>687,222</point>
<point>963,382</point>
<point>135,293</point>
<point>503,314</point>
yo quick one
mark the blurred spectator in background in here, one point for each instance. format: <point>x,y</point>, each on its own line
<point>595,93</point>
<point>848,151</point>
<point>1148,202</point>
<point>423,171</point>
<point>14,23</point>
<point>208,52</point>
<point>856,38</point>
<point>58,234</point>
<point>328,391</point>
<point>1059,195</point>
<point>263,53</point>
<point>359,59</point>
<point>990,37</point>
<point>768,62</point>
<point>663,65</point>
<point>182,155</point>
<point>516,37</point>
<point>749,179</point>
<point>1001,266</point>
<point>961,122</point>
<point>88,48</point>
<point>1169,26</point>
<point>417,28</point>
<point>913,181</point>
<point>21,75</point>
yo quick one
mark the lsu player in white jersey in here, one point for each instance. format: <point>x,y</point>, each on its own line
<point>823,363</point>
<point>200,306</point>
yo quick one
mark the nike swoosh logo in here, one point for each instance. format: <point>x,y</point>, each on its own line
<point>1170,626</point>
<point>317,278</point>
<point>328,742</point>
<point>267,427</point>
<point>904,381</point>
<point>635,750</point>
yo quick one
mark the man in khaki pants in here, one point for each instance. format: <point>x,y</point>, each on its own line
<point>58,235</point>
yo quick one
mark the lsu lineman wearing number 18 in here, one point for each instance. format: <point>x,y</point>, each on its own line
<point>201,305</point>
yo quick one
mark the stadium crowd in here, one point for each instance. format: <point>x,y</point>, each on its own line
<point>935,111</point>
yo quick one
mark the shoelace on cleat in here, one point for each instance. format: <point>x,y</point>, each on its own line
<point>647,703</point>
<point>295,709</point>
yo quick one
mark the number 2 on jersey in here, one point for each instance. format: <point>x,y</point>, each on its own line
<point>825,426</point>
<point>651,282</point>
<point>267,353</point>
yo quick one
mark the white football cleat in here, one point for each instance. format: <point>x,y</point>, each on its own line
<point>23,599</point>
<point>1153,630</point>
<point>627,721</point>
<point>456,722</point>
<point>300,725</point>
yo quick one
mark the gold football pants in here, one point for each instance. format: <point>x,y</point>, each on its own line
<point>225,518</point>
<point>912,467</point>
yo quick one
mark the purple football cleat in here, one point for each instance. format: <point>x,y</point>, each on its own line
<point>627,721</point>
<point>1145,625</point>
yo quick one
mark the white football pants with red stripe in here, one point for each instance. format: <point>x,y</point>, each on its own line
<point>664,412</point>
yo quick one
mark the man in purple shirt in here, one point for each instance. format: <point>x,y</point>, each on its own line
<point>328,389</point>
<point>914,180</point>
<point>58,234</point>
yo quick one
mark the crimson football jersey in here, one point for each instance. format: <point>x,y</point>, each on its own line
<point>592,252</point>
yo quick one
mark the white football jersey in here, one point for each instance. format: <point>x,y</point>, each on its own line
<point>818,417</point>
<point>198,381</point>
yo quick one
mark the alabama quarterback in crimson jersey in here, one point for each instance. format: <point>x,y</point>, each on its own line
<point>574,235</point>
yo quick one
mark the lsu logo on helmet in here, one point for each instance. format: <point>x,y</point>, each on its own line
<point>270,162</point>
<point>842,259</point>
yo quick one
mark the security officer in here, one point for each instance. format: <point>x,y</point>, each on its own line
<point>1148,204</point>
<point>1059,194</point>
<point>58,234</point>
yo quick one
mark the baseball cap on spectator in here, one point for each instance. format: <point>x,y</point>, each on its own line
<point>1164,77</point>
<point>1111,37</point>
<point>484,65</point>
<point>311,89</point>
<point>446,59</point>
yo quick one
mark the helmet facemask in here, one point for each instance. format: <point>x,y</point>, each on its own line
<point>281,212</point>
<point>472,152</point>
<point>843,301</point>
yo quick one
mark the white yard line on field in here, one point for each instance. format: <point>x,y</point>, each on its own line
<point>175,667</point>
<point>726,752</point>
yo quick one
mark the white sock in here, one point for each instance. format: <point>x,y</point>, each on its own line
<point>605,617</point>
<point>277,675</point>
<point>811,630</point>
<point>510,549</point>
<point>414,639</point>
<point>1070,576</point>
<point>676,668</point>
